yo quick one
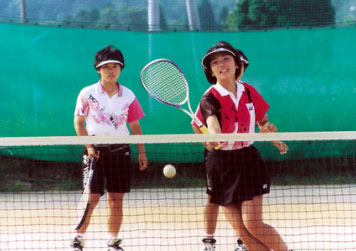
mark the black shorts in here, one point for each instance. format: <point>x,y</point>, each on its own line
<point>236,176</point>
<point>112,169</point>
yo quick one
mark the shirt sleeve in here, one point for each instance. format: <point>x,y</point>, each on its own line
<point>82,105</point>
<point>209,106</point>
<point>135,111</point>
<point>261,106</point>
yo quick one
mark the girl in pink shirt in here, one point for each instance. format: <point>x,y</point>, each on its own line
<point>106,108</point>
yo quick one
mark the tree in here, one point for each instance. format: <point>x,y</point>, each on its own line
<point>262,14</point>
<point>320,12</point>
<point>123,17</point>
<point>224,12</point>
<point>87,18</point>
<point>206,14</point>
<point>133,17</point>
<point>238,19</point>
<point>163,21</point>
<point>94,15</point>
<point>108,16</point>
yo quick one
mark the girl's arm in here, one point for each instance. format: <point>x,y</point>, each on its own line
<point>135,128</point>
<point>266,127</point>
<point>214,128</point>
<point>81,131</point>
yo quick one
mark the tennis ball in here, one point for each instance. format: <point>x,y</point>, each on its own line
<point>169,171</point>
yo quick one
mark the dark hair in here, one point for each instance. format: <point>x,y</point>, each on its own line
<point>221,46</point>
<point>109,53</point>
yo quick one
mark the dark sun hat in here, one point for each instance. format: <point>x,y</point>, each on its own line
<point>221,46</point>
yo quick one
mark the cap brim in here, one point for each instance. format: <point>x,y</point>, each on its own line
<point>205,60</point>
<point>244,60</point>
<point>108,62</point>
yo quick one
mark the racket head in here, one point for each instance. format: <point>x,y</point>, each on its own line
<point>84,202</point>
<point>165,81</point>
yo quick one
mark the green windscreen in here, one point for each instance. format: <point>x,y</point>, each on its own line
<point>306,75</point>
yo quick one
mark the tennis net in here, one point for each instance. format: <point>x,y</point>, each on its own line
<point>311,201</point>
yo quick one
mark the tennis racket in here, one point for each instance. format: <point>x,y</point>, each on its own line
<point>84,203</point>
<point>166,82</point>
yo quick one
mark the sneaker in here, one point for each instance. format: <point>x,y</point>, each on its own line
<point>209,244</point>
<point>240,246</point>
<point>115,245</point>
<point>77,244</point>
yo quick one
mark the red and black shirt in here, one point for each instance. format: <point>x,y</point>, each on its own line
<point>235,114</point>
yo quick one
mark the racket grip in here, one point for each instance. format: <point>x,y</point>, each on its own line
<point>205,130</point>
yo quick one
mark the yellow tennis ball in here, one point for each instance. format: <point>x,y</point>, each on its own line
<point>169,171</point>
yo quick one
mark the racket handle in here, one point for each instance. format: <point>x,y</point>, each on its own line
<point>205,130</point>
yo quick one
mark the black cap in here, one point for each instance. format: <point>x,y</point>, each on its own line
<point>107,55</point>
<point>221,46</point>
<point>243,58</point>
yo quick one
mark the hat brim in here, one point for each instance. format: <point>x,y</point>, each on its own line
<point>206,58</point>
<point>108,62</point>
<point>244,60</point>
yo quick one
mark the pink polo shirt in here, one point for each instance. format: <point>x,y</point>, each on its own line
<point>235,114</point>
<point>106,115</point>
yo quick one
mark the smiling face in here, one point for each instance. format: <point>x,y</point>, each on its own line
<point>110,72</point>
<point>223,66</point>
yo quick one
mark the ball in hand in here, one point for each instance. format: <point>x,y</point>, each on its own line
<point>169,171</point>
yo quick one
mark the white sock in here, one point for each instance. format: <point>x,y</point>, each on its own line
<point>78,235</point>
<point>111,238</point>
<point>210,236</point>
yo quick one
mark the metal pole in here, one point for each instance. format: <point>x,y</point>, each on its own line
<point>23,12</point>
<point>193,15</point>
<point>153,15</point>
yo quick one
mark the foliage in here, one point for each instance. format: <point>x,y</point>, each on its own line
<point>206,15</point>
<point>163,20</point>
<point>261,14</point>
<point>223,16</point>
<point>110,17</point>
<point>214,15</point>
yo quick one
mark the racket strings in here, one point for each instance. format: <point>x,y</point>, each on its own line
<point>166,82</point>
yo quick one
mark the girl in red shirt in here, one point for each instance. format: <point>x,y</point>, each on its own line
<point>237,177</point>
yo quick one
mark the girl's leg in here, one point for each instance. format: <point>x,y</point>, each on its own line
<point>253,221</point>
<point>211,213</point>
<point>95,197</point>
<point>233,215</point>
<point>115,203</point>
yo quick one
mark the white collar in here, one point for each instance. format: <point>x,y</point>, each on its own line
<point>102,90</point>
<point>224,92</point>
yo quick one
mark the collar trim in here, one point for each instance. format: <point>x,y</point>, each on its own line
<point>102,90</point>
<point>223,92</point>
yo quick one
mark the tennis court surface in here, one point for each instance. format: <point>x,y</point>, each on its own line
<point>311,203</point>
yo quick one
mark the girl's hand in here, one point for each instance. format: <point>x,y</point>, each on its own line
<point>142,160</point>
<point>92,153</point>
<point>268,127</point>
<point>282,147</point>
<point>211,145</point>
